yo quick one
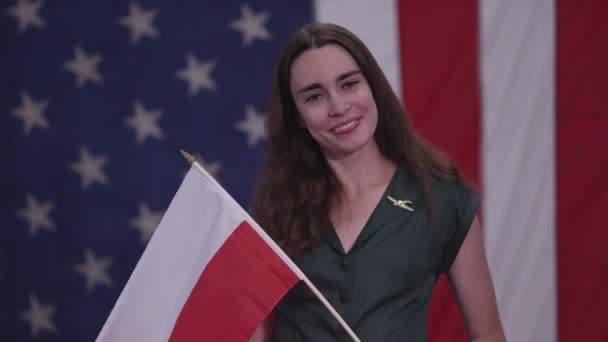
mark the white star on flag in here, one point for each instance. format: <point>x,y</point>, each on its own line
<point>39,317</point>
<point>251,25</point>
<point>89,168</point>
<point>197,74</point>
<point>84,67</point>
<point>145,123</point>
<point>252,125</point>
<point>26,13</point>
<point>37,214</point>
<point>146,221</point>
<point>139,22</point>
<point>94,270</point>
<point>31,113</point>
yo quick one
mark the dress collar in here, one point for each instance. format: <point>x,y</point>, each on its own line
<point>403,186</point>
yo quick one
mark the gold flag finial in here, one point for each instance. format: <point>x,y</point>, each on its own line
<point>189,158</point>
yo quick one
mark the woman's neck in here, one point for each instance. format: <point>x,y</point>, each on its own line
<point>362,170</point>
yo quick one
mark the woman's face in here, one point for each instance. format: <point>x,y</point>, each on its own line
<point>334,100</point>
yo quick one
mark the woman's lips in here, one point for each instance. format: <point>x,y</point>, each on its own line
<point>346,127</point>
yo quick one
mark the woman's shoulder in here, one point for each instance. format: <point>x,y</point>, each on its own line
<point>443,191</point>
<point>455,203</point>
<point>454,189</point>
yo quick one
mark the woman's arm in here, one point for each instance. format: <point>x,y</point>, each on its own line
<point>470,279</point>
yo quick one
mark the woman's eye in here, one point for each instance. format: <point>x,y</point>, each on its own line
<point>312,98</point>
<point>349,84</point>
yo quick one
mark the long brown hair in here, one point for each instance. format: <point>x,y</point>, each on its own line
<point>296,188</point>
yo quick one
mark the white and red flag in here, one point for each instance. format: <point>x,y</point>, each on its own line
<point>209,273</point>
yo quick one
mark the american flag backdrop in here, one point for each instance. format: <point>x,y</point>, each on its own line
<point>97,97</point>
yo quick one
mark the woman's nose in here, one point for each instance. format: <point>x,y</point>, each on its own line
<point>338,105</point>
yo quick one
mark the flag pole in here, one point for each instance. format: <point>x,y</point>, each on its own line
<point>331,309</point>
<point>192,162</point>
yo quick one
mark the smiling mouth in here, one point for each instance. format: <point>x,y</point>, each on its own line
<point>346,127</point>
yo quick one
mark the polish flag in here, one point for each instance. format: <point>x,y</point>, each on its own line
<point>209,273</point>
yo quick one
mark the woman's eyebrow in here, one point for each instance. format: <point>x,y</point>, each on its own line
<point>348,74</point>
<point>339,78</point>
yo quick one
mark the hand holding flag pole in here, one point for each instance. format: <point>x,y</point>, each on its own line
<point>192,162</point>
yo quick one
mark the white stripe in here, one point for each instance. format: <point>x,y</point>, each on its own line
<point>518,153</point>
<point>375,23</point>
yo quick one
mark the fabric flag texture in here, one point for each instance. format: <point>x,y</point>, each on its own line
<point>93,92</point>
<point>209,273</point>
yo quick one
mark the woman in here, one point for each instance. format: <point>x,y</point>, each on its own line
<point>370,213</point>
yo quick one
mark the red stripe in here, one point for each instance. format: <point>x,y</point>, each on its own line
<point>241,284</point>
<point>582,169</point>
<point>441,91</point>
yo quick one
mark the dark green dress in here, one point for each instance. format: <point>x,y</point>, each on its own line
<point>382,287</point>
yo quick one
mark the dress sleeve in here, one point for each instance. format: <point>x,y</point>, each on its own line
<point>459,206</point>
